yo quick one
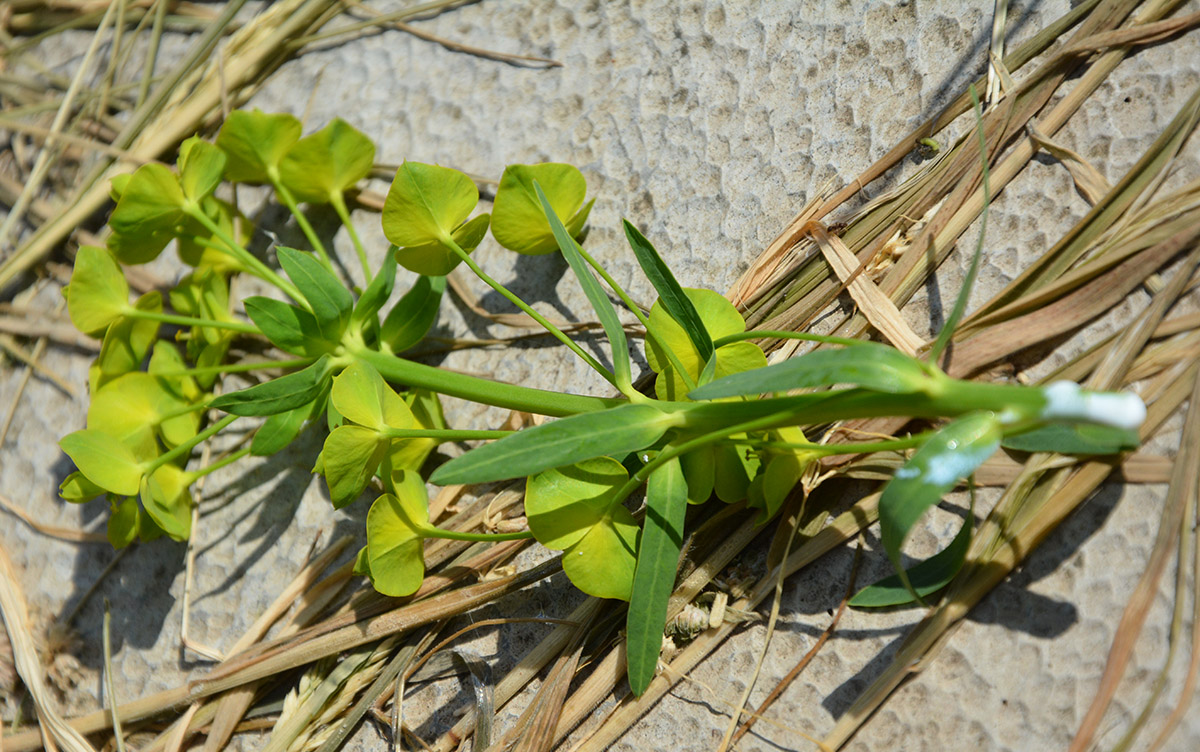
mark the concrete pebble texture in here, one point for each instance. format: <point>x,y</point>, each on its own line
<point>709,125</point>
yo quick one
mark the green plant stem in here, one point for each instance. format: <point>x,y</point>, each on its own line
<point>170,318</point>
<point>442,434</point>
<point>289,201</point>
<point>947,398</point>
<point>483,391</point>
<point>189,445</point>
<point>234,367</point>
<point>248,259</point>
<point>437,532</point>
<point>542,321</point>
<point>633,307</point>
<point>229,460</point>
<point>339,206</point>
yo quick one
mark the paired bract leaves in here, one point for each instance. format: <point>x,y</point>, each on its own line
<point>425,216</point>
<point>256,143</point>
<point>720,319</point>
<point>104,460</point>
<point>98,293</point>
<point>573,509</point>
<point>395,529</point>
<point>321,167</point>
<point>518,220</point>
<point>352,453</point>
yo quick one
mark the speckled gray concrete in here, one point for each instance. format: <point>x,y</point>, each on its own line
<point>709,125</point>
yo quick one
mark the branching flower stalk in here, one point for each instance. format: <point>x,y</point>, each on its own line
<point>721,422</point>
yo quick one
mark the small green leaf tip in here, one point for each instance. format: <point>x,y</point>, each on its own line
<point>518,222</point>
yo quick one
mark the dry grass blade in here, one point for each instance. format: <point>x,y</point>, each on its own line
<point>54,732</point>
<point>62,533</point>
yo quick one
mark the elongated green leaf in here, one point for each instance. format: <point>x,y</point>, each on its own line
<point>278,395</point>
<point>1080,438</point>
<point>279,430</point>
<point>377,293</point>
<point>255,143</point>
<point>331,302</point>
<point>350,457</point>
<point>926,578</point>
<point>98,293</point>
<point>328,162</point>
<point>518,221</point>
<point>677,304</point>
<point>603,307</point>
<point>394,537</point>
<point>413,314</point>
<point>654,577</point>
<point>565,441</point>
<point>869,365</point>
<point>104,460</point>
<point>949,455</point>
<point>289,327</point>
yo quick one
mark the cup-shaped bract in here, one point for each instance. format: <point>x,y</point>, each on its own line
<point>322,166</point>
<point>425,215</point>
<point>395,533</point>
<point>518,219</point>
<point>98,293</point>
<point>255,144</point>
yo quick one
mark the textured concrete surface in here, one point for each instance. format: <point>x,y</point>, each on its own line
<point>709,125</point>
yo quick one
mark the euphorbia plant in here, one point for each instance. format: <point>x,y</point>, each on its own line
<point>721,422</point>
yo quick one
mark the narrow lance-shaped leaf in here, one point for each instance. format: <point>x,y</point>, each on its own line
<point>565,441</point>
<point>413,314</point>
<point>926,578</point>
<point>289,327</point>
<point>869,365</point>
<point>654,577</point>
<point>279,430</point>
<point>953,453</point>
<point>377,293</point>
<point>1081,438</point>
<point>278,395</point>
<point>603,307</point>
<point>330,300</point>
<point>676,303</point>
